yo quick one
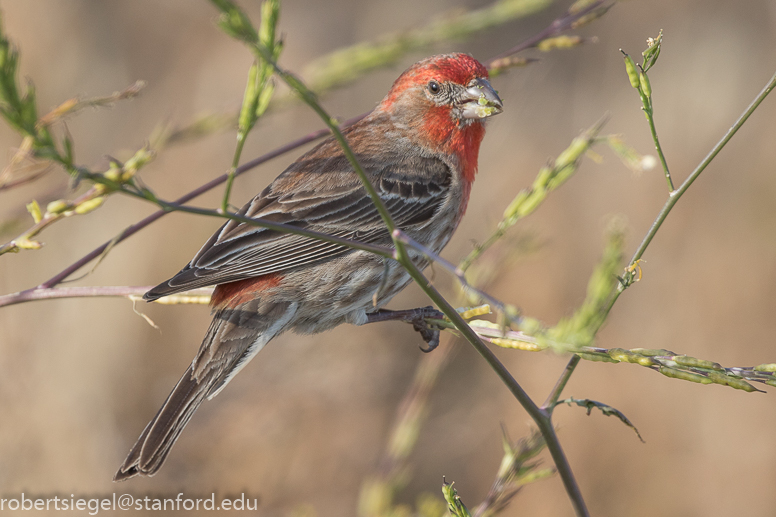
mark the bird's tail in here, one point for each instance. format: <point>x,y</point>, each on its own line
<point>154,444</point>
<point>234,337</point>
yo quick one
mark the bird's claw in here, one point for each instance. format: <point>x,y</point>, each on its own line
<point>429,335</point>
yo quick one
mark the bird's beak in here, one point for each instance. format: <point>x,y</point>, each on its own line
<point>480,100</point>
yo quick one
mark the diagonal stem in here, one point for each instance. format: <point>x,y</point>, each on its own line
<point>678,193</point>
<point>537,414</point>
<point>552,399</point>
<point>672,200</point>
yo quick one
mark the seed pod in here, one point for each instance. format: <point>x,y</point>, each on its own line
<point>88,206</point>
<point>685,376</point>
<point>685,360</point>
<point>250,101</point>
<point>630,68</point>
<point>651,351</point>
<point>595,357</point>
<point>530,204</point>
<point>58,206</point>
<point>741,384</point>
<point>542,179</point>
<point>572,153</point>
<point>646,88</point>
<point>34,209</point>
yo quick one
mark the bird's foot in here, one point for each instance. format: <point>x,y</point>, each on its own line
<point>417,317</point>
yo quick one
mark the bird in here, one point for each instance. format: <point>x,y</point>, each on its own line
<point>419,148</point>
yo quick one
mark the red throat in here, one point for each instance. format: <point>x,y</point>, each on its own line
<point>461,142</point>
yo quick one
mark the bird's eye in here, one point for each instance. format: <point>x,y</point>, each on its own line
<point>434,87</point>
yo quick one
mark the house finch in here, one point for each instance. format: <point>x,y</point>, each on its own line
<point>419,149</point>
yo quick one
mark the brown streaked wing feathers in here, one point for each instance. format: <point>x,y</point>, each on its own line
<point>320,193</point>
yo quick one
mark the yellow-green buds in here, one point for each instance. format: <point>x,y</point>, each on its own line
<point>58,206</point>
<point>559,42</point>
<point>88,206</point>
<point>454,503</point>
<point>34,209</point>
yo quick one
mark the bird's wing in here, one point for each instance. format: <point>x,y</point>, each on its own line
<point>318,192</point>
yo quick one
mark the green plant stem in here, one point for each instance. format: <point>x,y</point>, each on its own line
<point>539,415</point>
<point>678,193</point>
<point>552,399</point>
<point>658,147</point>
<point>241,137</point>
<point>674,196</point>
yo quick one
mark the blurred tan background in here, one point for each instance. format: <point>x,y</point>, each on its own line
<point>309,418</point>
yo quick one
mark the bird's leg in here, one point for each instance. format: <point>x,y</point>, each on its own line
<point>417,317</point>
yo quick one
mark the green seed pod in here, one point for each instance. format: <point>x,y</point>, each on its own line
<point>531,203</point>
<point>646,88</point>
<point>140,158</point>
<point>34,209</point>
<point>622,355</point>
<point>572,153</point>
<point>596,357</point>
<point>741,384</point>
<point>58,206</point>
<point>88,206</point>
<point>515,344</point>
<point>646,361</point>
<point>651,352</point>
<point>719,378</point>
<point>513,207</point>
<point>250,100</point>
<point>113,174</point>
<point>685,360</point>
<point>559,42</point>
<point>630,68</point>
<point>472,312</point>
<point>540,183</point>
<point>685,376</point>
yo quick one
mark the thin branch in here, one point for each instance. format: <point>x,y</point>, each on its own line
<point>53,293</point>
<point>344,65</point>
<point>539,415</point>
<point>640,81</point>
<point>552,399</point>
<point>508,310</point>
<point>673,197</point>
<point>23,181</point>
<point>678,193</point>
<point>557,27</point>
<point>38,292</point>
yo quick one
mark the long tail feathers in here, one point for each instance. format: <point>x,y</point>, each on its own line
<point>234,337</point>
<point>154,444</point>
